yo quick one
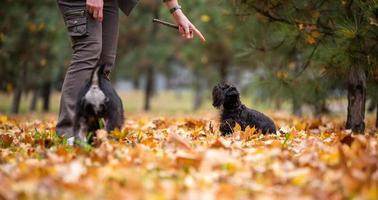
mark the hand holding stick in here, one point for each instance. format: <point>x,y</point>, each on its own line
<point>174,26</point>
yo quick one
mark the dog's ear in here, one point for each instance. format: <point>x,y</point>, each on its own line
<point>85,106</point>
<point>218,96</point>
<point>82,102</point>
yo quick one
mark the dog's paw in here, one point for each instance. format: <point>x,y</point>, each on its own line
<point>71,141</point>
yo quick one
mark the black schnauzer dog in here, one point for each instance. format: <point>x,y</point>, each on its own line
<point>227,99</point>
<point>97,99</point>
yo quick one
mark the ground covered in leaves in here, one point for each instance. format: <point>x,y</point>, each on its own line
<point>185,158</point>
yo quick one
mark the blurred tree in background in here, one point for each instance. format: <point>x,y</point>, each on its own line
<point>152,48</point>
<point>29,61</point>
<point>311,43</point>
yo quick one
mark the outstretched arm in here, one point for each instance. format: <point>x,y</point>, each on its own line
<point>186,28</point>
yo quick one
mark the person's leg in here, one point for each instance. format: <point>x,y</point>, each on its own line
<point>86,37</point>
<point>109,35</point>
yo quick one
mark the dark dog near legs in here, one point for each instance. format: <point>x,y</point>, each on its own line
<point>227,99</point>
<point>97,99</point>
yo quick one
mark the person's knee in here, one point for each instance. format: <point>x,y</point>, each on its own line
<point>86,55</point>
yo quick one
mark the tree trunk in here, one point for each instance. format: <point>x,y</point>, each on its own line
<point>223,71</point>
<point>277,104</point>
<point>356,99</point>
<point>149,87</point>
<point>33,102</point>
<point>135,82</point>
<point>197,99</point>
<point>46,93</point>
<point>376,118</point>
<point>198,93</point>
<point>296,107</point>
<point>150,68</point>
<point>16,100</point>
<point>18,91</point>
<point>321,108</point>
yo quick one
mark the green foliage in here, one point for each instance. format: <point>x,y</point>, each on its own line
<point>307,47</point>
<point>28,28</point>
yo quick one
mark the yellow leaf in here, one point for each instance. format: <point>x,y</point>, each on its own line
<point>237,128</point>
<point>349,33</point>
<point>309,39</point>
<point>300,126</point>
<point>299,180</point>
<point>248,133</point>
<point>300,26</point>
<point>372,191</point>
<point>3,119</point>
<point>151,142</point>
<point>32,27</point>
<point>330,158</point>
<point>118,134</point>
<point>205,18</point>
<point>282,74</point>
<point>315,34</point>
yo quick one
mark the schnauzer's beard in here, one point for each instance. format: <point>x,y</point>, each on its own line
<point>225,97</point>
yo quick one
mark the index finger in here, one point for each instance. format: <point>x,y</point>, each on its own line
<point>199,34</point>
<point>100,15</point>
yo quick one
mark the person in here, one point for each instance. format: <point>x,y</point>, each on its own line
<point>93,28</point>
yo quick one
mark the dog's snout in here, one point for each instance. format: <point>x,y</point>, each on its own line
<point>232,91</point>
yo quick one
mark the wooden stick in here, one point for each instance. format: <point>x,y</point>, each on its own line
<point>166,23</point>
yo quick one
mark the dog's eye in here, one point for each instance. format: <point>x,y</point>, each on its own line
<point>232,92</point>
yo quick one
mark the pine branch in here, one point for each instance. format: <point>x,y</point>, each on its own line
<point>270,16</point>
<point>307,63</point>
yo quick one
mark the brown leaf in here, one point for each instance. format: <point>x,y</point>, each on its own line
<point>347,139</point>
<point>179,141</point>
<point>186,159</point>
<point>220,143</point>
<point>5,140</point>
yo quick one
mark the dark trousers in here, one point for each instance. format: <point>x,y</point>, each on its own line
<point>93,44</point>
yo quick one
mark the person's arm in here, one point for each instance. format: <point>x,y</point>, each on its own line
<point>186,28</point>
